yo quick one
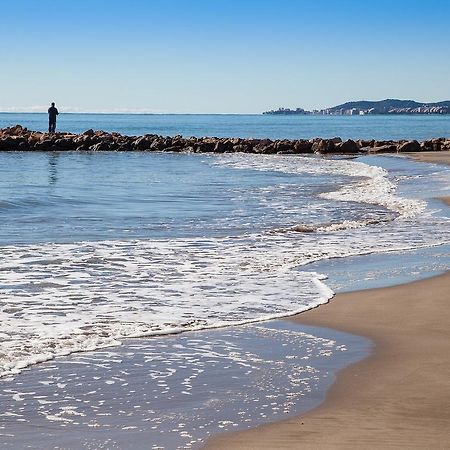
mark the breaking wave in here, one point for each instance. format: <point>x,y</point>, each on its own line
<point>61,298</point>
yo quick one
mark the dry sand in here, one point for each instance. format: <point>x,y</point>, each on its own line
<point>397,398</point>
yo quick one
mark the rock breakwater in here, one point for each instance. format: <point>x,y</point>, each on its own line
<point>18,138</point>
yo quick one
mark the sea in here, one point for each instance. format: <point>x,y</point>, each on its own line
<point>141,294</point>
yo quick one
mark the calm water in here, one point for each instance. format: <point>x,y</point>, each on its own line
<point>257,126</point>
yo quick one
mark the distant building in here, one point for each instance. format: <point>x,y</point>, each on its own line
<point>287,111</point>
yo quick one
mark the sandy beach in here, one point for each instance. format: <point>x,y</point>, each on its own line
<point>397,398</point>
<point>431,157</point>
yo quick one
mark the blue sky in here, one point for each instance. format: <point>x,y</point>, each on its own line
<point>220,56</point>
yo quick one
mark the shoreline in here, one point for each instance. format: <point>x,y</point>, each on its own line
<point>403,406</point>
<point>394,398</point>
<point>301,318</point>
<point>431,157</point>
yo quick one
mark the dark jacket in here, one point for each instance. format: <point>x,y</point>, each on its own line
<point>52,113</point>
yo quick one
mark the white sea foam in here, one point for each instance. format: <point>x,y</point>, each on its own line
<point>373,186</point>
<point>60,298</point>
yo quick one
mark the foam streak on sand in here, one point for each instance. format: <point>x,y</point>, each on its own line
<point>61,298</point>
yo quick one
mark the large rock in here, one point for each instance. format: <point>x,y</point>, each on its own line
<point>262,145</point>
<point>302,146</point>
<point>323,146</point>
<point>100,147</point>
<point>284,147</point>
<point>241,148</point>
<point>205,147</point>
<point>381,149</point>
<point>347,147</point>
<point>10,143</point>
<point>44,145</point>
<point>363,143</point>
<point>66,144</point>
<point>221,147</point>
<point>410,146</point>
<point>142,143</point>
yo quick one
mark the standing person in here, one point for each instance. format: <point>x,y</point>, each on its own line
<point>52,113</point>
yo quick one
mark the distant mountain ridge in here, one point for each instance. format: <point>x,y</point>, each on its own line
<point>390,103</point>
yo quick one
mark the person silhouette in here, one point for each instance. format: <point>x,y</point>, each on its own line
<point>52,113</point>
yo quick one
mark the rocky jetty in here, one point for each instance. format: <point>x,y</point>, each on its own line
<point>18,138</point>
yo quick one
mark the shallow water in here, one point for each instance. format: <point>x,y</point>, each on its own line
<point>98,248</point>
<point>174,392</point>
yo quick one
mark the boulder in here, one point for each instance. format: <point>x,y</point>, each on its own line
<point>267,150</point>
<point>436,144</point>
<point>264,146</point>
<point>323,146</point>
<point>382,149</point>
<point>156,144</point>
<point>66,144</point>
<point>349,146</point>
<point>302,146</point>
<point>220,147</point>
<point>362,143</point>
<point>44,145</point>
<point>409,146</point>
<point>10,143</point>
<point>100,147</point>
<point>124,147</point>
<point>241,148</point>
<point>426,146</point>
<point>204,147</point>
<point>284,147</point>
<point>142,143</point>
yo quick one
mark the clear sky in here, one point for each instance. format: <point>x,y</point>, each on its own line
<point>220,56</point>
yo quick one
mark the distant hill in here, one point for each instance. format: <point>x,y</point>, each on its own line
<point>384,106</point>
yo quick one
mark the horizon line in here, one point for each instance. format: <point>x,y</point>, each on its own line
<point>140,113</point>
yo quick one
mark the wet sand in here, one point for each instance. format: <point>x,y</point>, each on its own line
<point>397,398</point>
<point>431,157</point>
<point>435,158</point>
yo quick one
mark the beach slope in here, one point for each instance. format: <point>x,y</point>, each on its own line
<point>397,398</point>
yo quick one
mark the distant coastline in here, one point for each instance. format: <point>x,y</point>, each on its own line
<point>364,107</point>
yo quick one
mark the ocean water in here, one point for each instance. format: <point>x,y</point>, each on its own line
<point>240,125</point>
<point>98,249</point>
